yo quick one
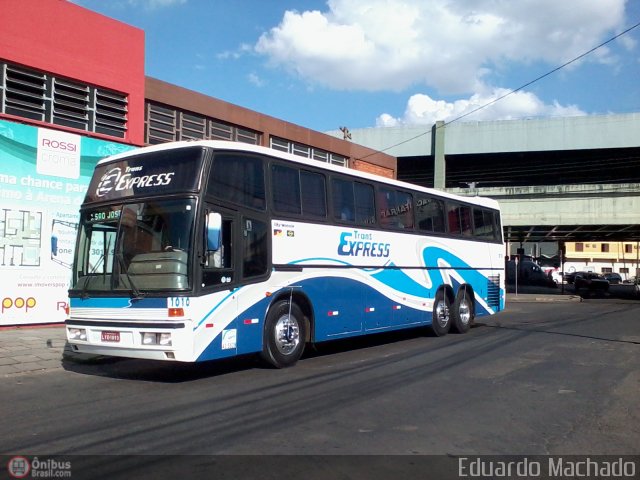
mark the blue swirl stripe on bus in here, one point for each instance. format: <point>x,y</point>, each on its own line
<point>470,275</point>
<point>396,279</point>
<point>400,281</point>
<point>215,307</point>
<point>434,255</point>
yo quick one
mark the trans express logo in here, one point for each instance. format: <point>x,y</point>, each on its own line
<point>116,179</point>
<point>360,244</point>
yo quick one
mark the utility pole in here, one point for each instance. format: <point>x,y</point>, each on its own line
<point>562,251</point>
<point>637,260</point>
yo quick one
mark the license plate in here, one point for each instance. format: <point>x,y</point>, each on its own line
<point>110,336</point>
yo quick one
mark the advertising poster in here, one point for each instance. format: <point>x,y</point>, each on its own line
<point>44,176</point>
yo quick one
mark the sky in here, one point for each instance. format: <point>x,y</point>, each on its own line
<point>325,64</point>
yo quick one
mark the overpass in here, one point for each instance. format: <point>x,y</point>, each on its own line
<point>567,213</point>
<point>557,179</point>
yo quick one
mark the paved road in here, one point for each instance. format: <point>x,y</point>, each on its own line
<point>541,378</point>
<point>31,349</point>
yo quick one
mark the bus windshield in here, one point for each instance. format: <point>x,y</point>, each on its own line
<point>135,248</point>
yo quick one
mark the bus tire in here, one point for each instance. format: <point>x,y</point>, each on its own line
<point>462,312</point>
<point>441,316</point>
<point>284,335</point>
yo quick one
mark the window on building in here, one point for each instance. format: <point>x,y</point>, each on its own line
<point>579,247</point>
<point>338,160</point>
<point>192,127</point>
<point>44,97</point>
<point>604,247</point>
<point>306,151</point>
<point>279,144</point>
<point>628,248</point>
<point>300,150</point>
<point>161,124</point>
<point>167,124</point>
<point>320,155</point>
<point>220,131</point>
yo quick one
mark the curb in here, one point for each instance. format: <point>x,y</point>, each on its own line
<point>528,298</point>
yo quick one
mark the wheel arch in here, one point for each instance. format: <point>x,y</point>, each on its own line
<point>304,303</point>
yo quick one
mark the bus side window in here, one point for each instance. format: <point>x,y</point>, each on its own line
<point>365,204</point>
<point>343,201</point>
<point>255,255</point>
<point>430,214</point>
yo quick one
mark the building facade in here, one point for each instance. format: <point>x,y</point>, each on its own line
<point>603,257</point>
<point>72,91</point>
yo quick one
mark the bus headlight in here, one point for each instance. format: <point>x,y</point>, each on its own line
<point>149,338</point>
<point>165,339</point>
<point>155,338</point>
<point>77,333</point>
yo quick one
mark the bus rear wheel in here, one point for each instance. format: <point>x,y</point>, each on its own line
<point>462,312</point>
<point>441,319</point>
<point>284,335</point>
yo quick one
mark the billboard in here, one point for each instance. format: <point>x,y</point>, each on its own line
<point>44,175</point>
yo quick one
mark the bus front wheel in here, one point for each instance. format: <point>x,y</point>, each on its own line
<point>284,335</point>
<point>441,320</point>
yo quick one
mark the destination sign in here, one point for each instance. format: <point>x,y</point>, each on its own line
<point>155,173</point>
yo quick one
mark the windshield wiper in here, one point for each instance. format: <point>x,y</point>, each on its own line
<point>135,292</point>
<point>87,279</point>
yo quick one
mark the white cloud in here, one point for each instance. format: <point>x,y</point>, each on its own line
<point>446,45</point>
<point>254,79</point>
<point>242,50</point>
<point>424,110</point>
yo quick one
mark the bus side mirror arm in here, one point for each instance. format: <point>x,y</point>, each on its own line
<point>203,256</point>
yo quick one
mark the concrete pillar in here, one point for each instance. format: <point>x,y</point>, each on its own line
<point>437,150</point>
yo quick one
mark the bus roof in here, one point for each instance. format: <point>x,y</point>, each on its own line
<point>245,147</point>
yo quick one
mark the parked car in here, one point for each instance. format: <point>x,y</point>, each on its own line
<point>613,278</point>
<point>631,280</point>
<point>528,273</point>
<point>553,274</point>
<point>590,282</point>
<point>569,277</point>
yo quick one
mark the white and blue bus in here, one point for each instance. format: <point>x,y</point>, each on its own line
<point>195,251</point>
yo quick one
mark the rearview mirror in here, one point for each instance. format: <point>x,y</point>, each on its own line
<point>214,233</point>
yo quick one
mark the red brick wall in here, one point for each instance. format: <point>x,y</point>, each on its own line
<point>375,169</point>
<point>64,39</point>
